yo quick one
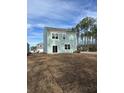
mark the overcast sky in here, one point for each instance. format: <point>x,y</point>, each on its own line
<point>56,13</point>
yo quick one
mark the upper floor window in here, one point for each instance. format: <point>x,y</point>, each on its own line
<point>63,35</point>
<point>54,36</point>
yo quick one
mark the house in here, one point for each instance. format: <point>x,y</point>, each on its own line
<point>59,40</point>
<point>39,48</point>
<point>33,49</point>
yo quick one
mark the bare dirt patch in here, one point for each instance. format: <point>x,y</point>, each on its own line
<point>62,73</point>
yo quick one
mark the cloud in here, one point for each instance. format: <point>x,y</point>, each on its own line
<point>29,26</point>
<point>50,8</point>
<point>35,35</point>
<point>57,13</point>
<point>47,11</point>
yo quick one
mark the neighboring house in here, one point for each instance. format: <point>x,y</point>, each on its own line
<point>39,48</point>
<point>58,40</point>
<point>33,49</point>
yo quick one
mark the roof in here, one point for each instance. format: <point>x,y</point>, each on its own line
<point>56,29</point>
<point>40,44</point>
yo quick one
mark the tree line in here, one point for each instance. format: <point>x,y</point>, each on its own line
<point>86,29</point>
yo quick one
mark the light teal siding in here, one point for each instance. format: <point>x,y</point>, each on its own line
<point>45,41</point>
<point>70,38</point>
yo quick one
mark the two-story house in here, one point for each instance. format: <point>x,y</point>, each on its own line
<point>59,40</point>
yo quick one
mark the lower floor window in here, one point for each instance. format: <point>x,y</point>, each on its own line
<point>67,46</point>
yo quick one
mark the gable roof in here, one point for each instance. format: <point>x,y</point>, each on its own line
<point>57,29</point>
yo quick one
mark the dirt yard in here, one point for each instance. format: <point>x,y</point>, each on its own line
<point>62,73</point>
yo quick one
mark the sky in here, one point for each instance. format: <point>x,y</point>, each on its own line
<point>55,13</point>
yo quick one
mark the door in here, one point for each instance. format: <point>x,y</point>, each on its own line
<point>54,49</point>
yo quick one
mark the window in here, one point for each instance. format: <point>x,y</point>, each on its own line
<point>54,49</point>
<point>67,46</point>
<point>63,36</point>
<point>54,36</point>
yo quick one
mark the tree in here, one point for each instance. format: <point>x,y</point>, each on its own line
<point>33,48</point>
<point>89,34</point>
<point>82,38</point>
<point>85,27</point>
<point>94,33</point>
<point>77,29</point>
<point>86,24</point>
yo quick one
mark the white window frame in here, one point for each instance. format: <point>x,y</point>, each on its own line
<point>67,46</point>
<point>64,36</point>
<point>54,35</point>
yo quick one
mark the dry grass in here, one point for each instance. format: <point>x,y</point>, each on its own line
<point>62,73</point>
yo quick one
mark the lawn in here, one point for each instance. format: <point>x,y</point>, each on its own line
<point>62,73</point>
